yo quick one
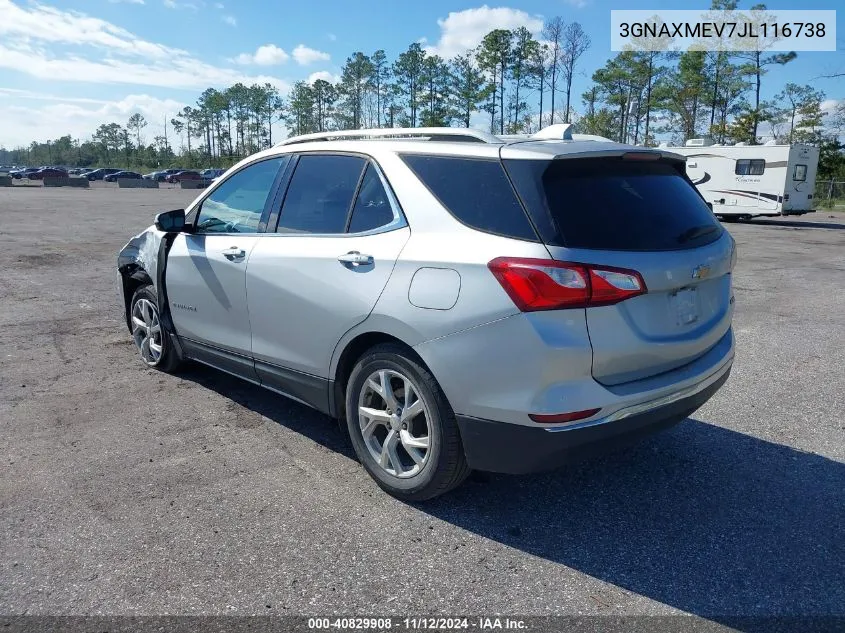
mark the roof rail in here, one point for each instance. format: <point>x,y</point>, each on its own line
<point>423,133</point>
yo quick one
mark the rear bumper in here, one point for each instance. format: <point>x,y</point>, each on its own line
<point>518,449</point>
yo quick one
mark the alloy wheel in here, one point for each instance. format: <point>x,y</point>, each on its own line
<point>394,421</point>
<point>146,331</point>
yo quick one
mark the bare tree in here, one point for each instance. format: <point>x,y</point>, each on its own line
<point>575,43</point>
<point>553,34</point>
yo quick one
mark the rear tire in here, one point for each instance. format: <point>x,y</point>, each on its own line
<point>153,341</point>
<point>402,427</point>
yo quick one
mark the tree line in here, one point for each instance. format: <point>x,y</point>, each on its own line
<point>517,82</point>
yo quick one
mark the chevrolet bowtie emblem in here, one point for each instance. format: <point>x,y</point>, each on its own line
<point>700,272</point>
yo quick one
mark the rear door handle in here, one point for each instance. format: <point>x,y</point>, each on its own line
<point>355,258</point>
<point>234,253</point>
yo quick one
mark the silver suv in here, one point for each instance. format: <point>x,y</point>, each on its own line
<point>460,300</point>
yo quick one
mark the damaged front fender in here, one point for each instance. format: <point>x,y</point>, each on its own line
<point>138,265</point>
<point>143,261</point>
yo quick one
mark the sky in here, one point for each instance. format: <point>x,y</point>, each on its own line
<point>68,65</point>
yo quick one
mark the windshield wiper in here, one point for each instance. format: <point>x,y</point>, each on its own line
<point>696,231</point>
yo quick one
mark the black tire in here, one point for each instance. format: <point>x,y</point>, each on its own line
<point>169,360</point>
<point>445,466</point>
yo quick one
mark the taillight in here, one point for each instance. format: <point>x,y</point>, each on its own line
<point>547,284</point>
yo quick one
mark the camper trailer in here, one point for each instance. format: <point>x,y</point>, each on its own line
<point>742,181</point>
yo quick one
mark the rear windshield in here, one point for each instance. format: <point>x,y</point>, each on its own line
<point>613,204</point>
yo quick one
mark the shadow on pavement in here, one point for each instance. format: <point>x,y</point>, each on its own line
<point>703,519</point>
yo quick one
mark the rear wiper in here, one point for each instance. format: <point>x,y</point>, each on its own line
<point>696,231</point>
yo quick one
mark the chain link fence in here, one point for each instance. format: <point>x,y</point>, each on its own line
<point>830,194</point>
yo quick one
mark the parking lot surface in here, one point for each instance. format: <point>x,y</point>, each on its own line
<point>128,491</point>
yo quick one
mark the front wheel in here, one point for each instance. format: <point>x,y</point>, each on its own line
<point>151,338</point>
<point>402,427</point>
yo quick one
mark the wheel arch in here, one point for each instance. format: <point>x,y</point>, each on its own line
<point>354,344</point>
<point>132,277</point>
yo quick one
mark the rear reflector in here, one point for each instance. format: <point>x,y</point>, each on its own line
<point>556,418</point>
<point>547,284</point>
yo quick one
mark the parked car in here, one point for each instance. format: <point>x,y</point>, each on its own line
<point>47,172</point>
<point>211,174</point>
<point>102,172</point>
<point>23,173</point>
<point>122,174</point>
<point>576,296</point>
<point>160,176</point>
<point>184,175</point>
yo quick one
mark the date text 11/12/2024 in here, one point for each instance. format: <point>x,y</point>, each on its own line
<point>418,624</point>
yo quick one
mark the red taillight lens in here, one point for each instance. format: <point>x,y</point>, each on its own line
<point>556,418</point>
<point>547,284</point>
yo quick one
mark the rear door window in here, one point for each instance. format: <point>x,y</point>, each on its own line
<point>372,208</point>
<point>800,173</point>
<point>475,191</point>
<point>320,194</point>
<point>613,204</point>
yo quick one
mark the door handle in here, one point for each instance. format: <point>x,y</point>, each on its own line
<point>355,258</point>
<point>234,253</point>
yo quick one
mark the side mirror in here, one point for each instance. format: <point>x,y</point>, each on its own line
<point>710,206</point>
<point>171,221</point>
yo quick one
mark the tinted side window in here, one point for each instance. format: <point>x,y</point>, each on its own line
<point>237,204</point>
<point>750,167</point>
<point>475,191</point>
<point>320,194</point>
<point>372,206</point>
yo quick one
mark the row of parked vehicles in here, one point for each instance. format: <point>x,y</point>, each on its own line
<point>112,174</point>
<point>37,173</point>
<point>178,175</point>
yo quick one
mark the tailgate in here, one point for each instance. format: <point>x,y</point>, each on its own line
<point>638,212</point>
<point>686,311</point>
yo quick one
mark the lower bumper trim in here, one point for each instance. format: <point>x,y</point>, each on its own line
<point>518,449</point>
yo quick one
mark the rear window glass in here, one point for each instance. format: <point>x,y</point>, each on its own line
<point>800,173</point>
<point>613,204</point>
<point>475,191</point>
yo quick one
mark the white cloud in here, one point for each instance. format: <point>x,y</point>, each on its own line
<point>461,31</point>
<point>120,57</point>
<point>179,72</point>
<point>218,5</point>
<point>230,20</point>
<point>80,117</point>
<point>193,6</point>
<point>267,55</point>
<point>325,75</point>
<point>304,55</point>
<point>47,24</point>
<point>829,105</point>
<point>577,4</point>
<point>332,37</point>
<point>127,1</point>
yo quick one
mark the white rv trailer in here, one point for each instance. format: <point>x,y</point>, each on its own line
<point>742,181</point>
